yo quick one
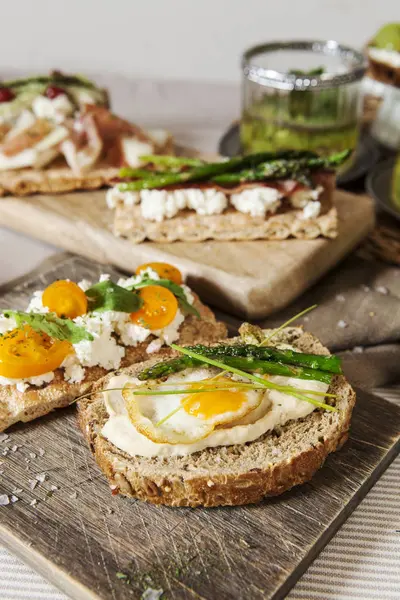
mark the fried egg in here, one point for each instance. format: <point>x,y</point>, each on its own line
<point>225,418</point>
<point>192,415</point>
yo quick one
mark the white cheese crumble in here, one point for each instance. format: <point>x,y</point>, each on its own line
<point>73,371</point>
<point>55,109</point>
<point>103,350</point>
<point>134,279</point>
<point>170,333</point>
<point>85,284</point>
<point>389,57</point>
<point>206,202</point>
<point>23,383</point>
<point>154,346</point>
<point>188,293</point>
<point>257,201</point>
<point>6,324</point>
<point>300,198</point>
<point>311,210</point>
<point>112,331</point>
<point>114,196</point>
<point>35,305</point>
<point>157,205</point>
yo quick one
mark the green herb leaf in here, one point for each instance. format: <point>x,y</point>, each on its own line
<point>172,287</point>
<point>107,295</point>
<point>49,323</point>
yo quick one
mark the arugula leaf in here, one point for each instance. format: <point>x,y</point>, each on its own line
<point>172,287</point>
<point>49,323</point>
<point>107,295</point>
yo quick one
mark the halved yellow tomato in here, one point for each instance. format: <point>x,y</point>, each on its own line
<point>66,299</point>
<point>26,353</point>
<point>158,310</point>
<point>164,270</point>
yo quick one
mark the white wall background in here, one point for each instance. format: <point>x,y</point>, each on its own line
<point>174,39</point>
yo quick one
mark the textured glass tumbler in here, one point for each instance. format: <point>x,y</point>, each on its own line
<point>301,95</point>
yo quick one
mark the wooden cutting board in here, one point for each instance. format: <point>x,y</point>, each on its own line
<point>249,279</point>
<point>95,546</point>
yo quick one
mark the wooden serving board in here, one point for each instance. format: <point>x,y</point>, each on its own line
<point>249,279</point>
<point>95,546</point>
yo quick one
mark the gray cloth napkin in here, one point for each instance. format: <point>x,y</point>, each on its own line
<point>358,317</point>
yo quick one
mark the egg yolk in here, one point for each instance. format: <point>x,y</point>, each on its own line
<point>213,404</point>
<point>27,353</point>
<point>158,310</point>
<point>164,270</point>
<point>66,299</point>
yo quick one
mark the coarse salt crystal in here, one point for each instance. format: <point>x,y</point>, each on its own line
<point>382,290</point>
<point>4,500</point>
<point>342,324</point>
<point>340,298</point>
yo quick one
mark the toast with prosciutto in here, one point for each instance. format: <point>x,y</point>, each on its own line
<point>57,134</point>
<point>261,196</point>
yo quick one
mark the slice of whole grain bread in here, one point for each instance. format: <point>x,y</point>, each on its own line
<point>226,475</point>
<point>35,402</point>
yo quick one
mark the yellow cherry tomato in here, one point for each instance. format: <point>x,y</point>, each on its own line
<point>26,353</point>
<point>158,310</point>
<point>164,270</point>
<point>66,299</point>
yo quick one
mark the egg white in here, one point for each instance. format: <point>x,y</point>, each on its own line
<point>147,413</point>
<point>275,409</point>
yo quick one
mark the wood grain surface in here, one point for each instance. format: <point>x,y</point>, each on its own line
<point>95,546</point>
<point>249,279</point>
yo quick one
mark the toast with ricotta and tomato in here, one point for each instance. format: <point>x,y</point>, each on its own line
<point>73,334</point>
<point>261,196</point>
<point>226,423</point>
<point>57,134</point>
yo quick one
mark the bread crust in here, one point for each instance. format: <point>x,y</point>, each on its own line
<point>35,402</point>
<point>181,482</point>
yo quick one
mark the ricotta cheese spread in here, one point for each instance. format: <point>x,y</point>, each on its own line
<point>275,410</point>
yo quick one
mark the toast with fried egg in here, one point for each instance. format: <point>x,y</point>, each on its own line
<point>227,474</point>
